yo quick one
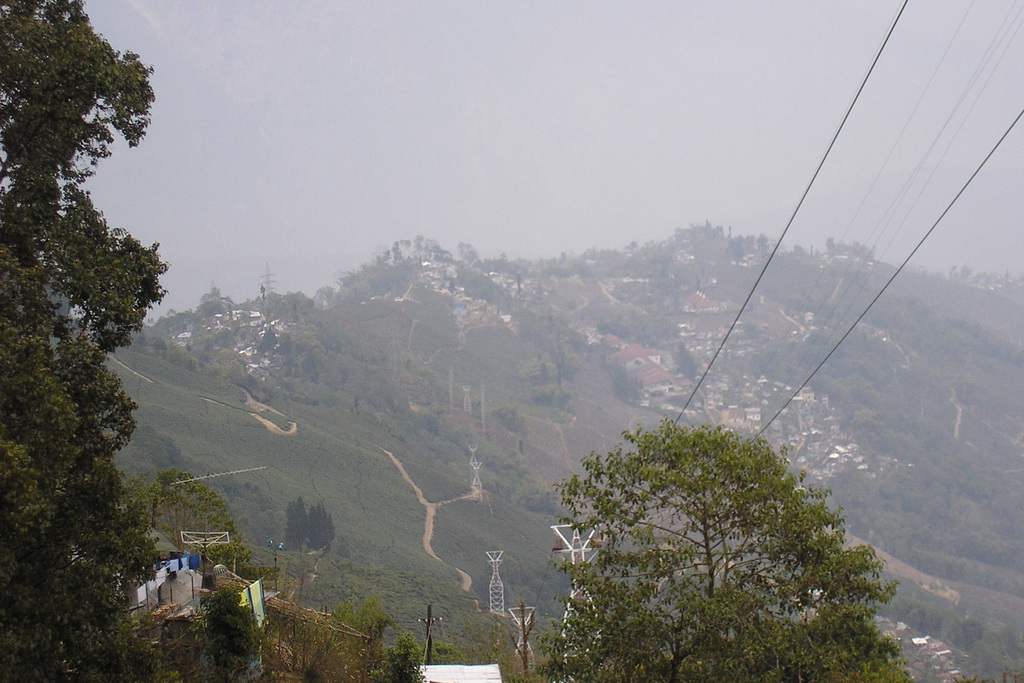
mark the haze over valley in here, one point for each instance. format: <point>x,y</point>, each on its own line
<point>368,397</point>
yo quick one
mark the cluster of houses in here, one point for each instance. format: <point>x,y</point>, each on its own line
<point>249,329</point>
<point>927,657</point>
<point>810,428</point>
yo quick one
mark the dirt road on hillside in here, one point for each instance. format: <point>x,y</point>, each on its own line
<point>465,581</point>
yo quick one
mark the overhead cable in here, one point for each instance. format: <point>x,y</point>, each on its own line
<point>898,270</point>
<point>1006,33</point>
<point>789,223</point>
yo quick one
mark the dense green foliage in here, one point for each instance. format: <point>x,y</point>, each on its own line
<point>178,501</point>
<point>401,662</point>
<point>296,529</point>
<point>72,289</point>
<point>229,634</point>
<point>321,527</point>
<point>715,564</point>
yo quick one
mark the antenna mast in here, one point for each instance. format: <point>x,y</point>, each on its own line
<point>204,539</point>
<point>497,588</point>
<point>218,474</point>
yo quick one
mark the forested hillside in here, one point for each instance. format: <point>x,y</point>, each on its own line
<point>425,359</point>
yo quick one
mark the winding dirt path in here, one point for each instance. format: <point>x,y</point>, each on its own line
<point>252,403</point>
<point>258,407</point>
<point>904,571</point>
<point>137,374</point>
<point>607,294</point>
<point>959,415</point>
<point>794,321</point>
<point>465,582</point>
<point>273,428</point>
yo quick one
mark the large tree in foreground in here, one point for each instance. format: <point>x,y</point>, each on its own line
<point>72,289</point>
<point>715,563</point>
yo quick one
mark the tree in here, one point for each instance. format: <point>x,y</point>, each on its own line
<point>401,662</point>
<point>72,289</point>
<point>192,506</point>
<point>297,526</point>
<point>369,618</point>
<point>321,527</point>
<point>229,634</point>
<point>715,563</point>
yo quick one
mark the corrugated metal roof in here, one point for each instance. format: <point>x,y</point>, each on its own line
<point>453,673</point>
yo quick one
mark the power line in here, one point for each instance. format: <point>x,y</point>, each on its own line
<point>796,210</point>
<point>898,270</point>
<point>999,44</point>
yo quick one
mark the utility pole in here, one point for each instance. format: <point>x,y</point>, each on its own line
<point>275,548</point>
<point>429,621</point>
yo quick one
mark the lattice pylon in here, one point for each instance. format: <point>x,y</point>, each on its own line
<point>524,619</point>
<point>579,551</point>
<point>467,399</point>
<point>475,464</point>
<point>496,589</point>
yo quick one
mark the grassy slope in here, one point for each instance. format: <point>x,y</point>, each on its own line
<point>334,455</point>
<point>906,390</point>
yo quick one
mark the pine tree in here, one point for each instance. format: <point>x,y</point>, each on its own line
<point>297,529</point>
<point>321,528</point>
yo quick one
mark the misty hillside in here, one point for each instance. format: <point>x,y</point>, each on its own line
<point>915,422</point>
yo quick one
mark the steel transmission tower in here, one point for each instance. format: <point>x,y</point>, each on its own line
<point>497,588</point>
<point>475,464</point>
<point>467,400</point>
<point>267,282</point>
<point>579,551</point>
<point>523,618</point>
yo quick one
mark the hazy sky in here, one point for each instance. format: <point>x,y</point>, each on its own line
<point>305,135</point>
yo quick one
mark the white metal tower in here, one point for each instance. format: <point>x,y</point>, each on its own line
<point>475,464</point>
<point>524,619</point>
<point>467,400</point>
<point>578,549</point>
<point>497,588</point>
